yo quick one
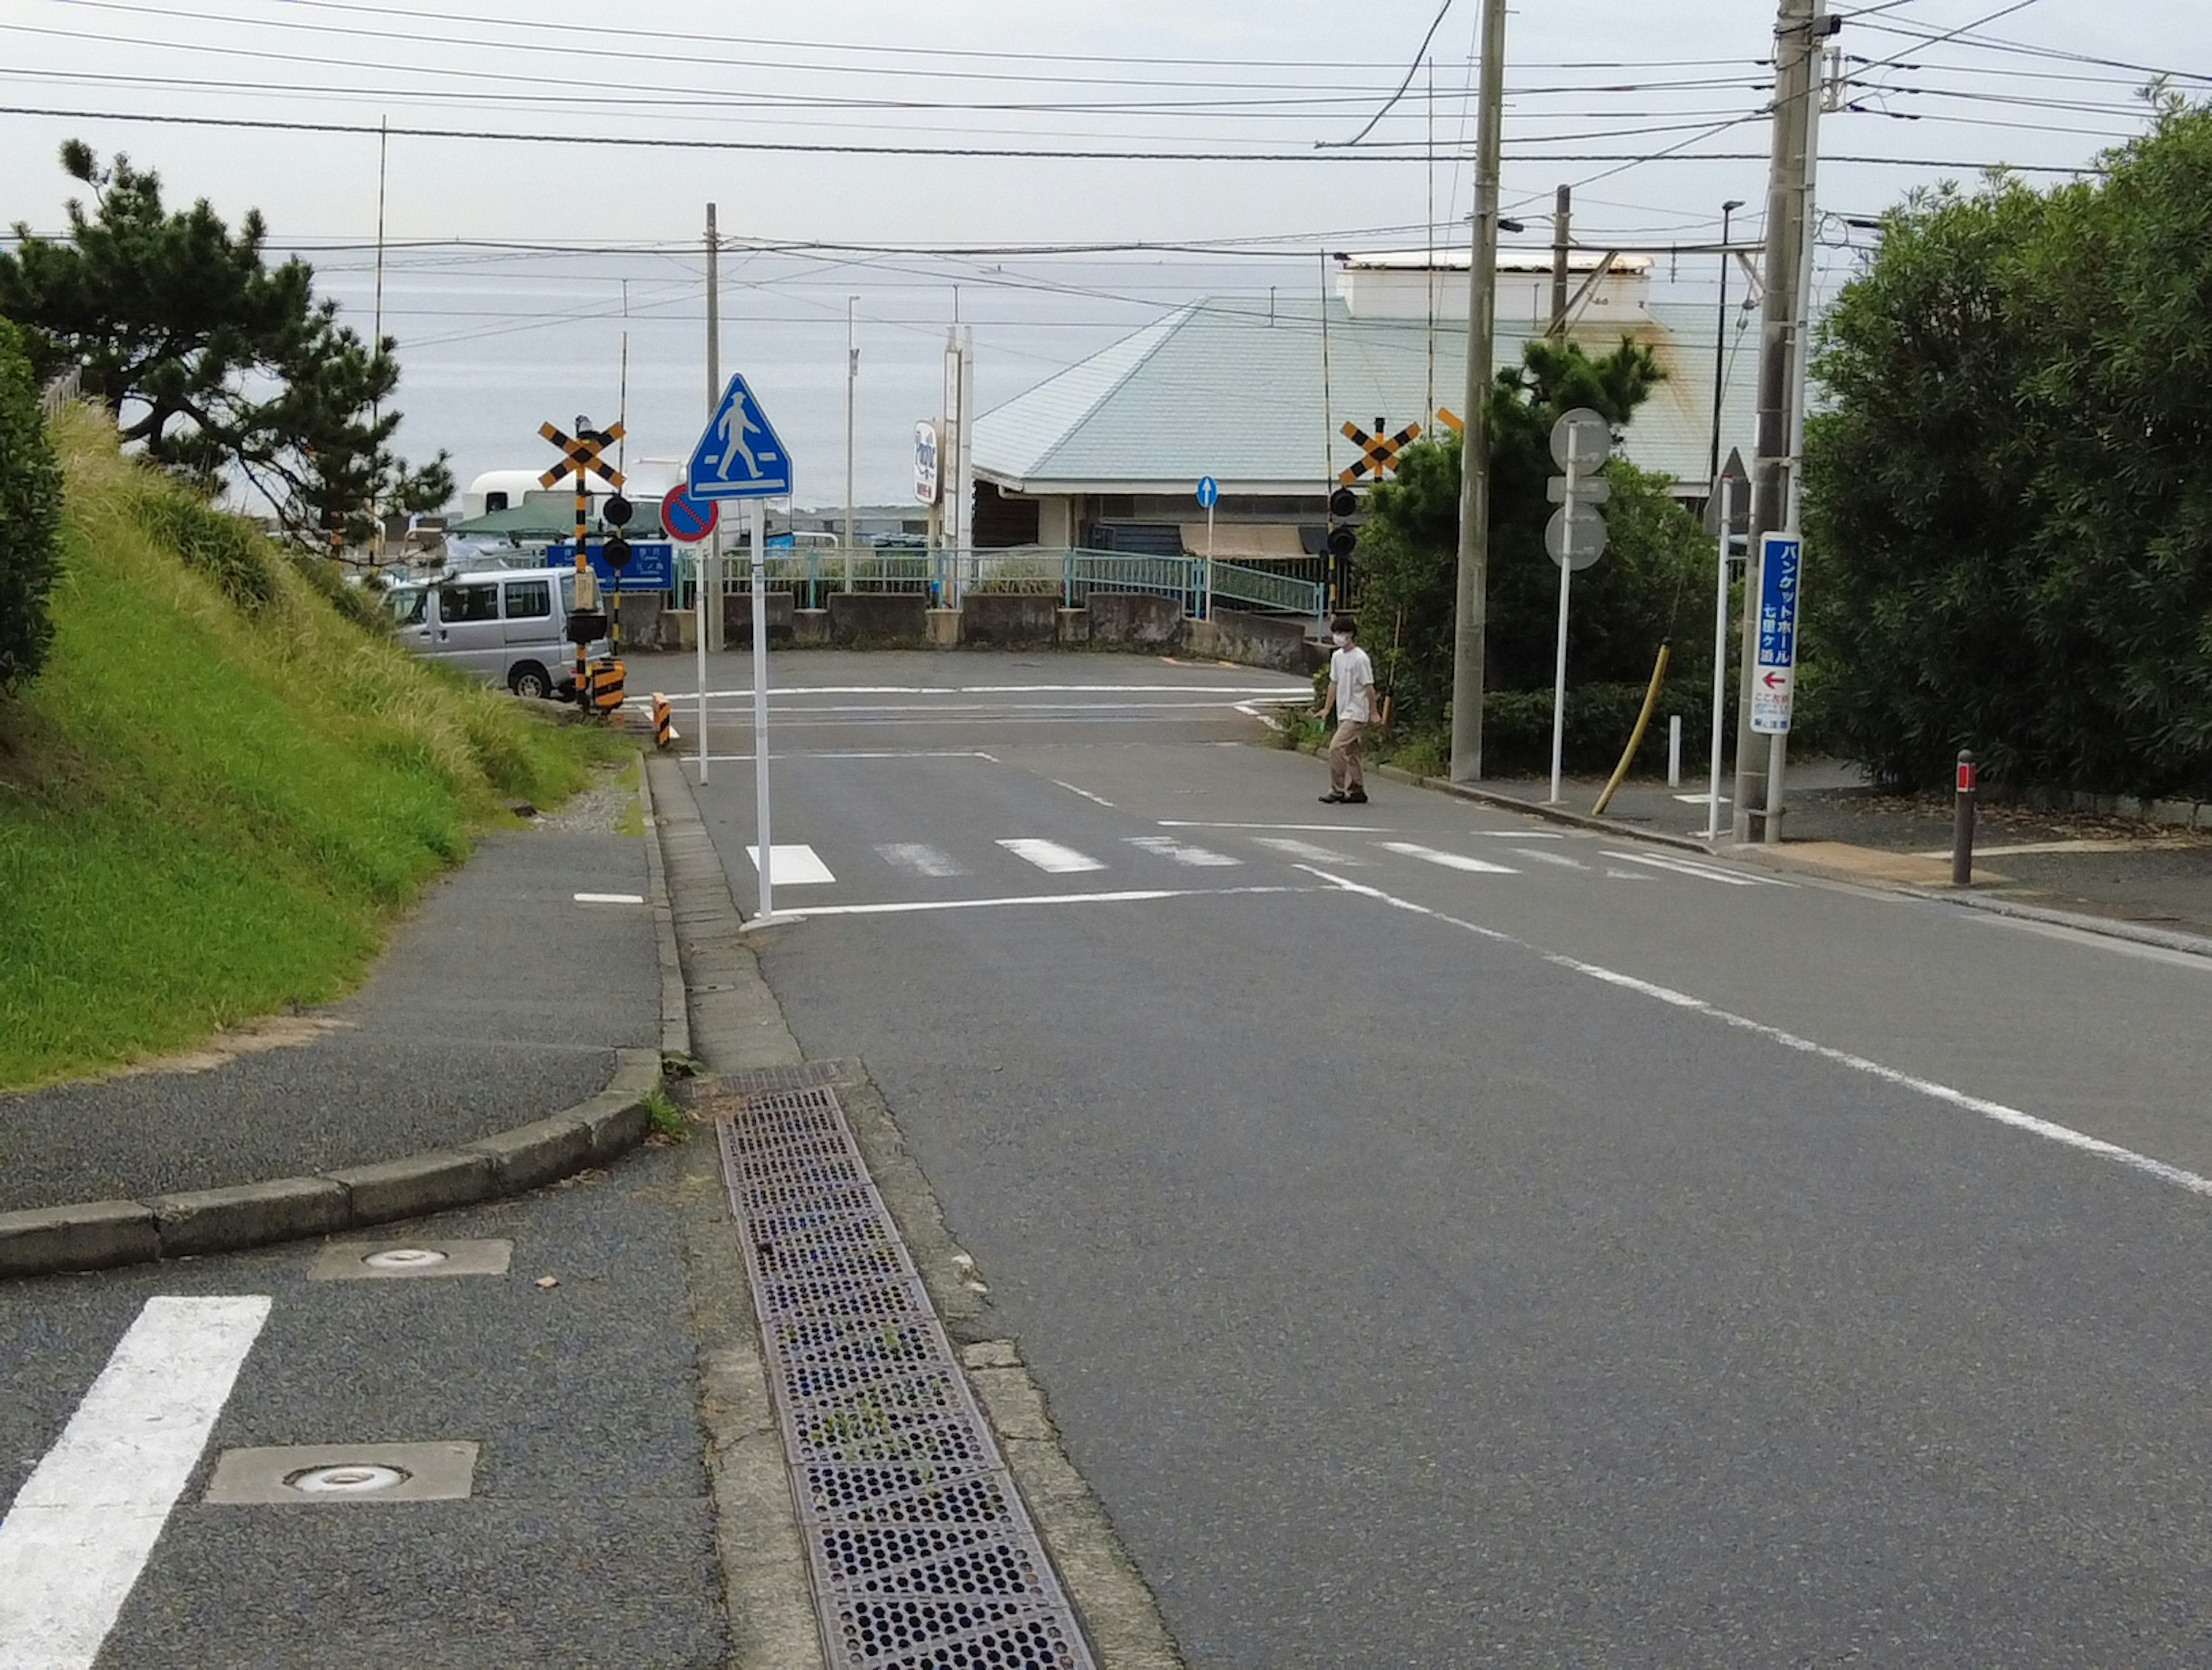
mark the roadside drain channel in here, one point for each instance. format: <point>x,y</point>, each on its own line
<point>920,1550</point>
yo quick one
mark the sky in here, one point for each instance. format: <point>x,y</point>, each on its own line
<point>558,207</point>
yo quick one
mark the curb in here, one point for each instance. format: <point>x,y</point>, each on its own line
<point>1534,809</point>
<point>675,1007</point>
<point>101,1235</point>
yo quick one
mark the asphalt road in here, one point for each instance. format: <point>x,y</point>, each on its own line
<point>1449,1240</point>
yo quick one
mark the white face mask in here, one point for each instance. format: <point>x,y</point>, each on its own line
<point>1343,640</point>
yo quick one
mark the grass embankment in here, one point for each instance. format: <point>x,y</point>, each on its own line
<point>221,789</point>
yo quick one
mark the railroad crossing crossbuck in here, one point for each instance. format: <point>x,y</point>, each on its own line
<point>1378,452</point>
<point>580,458</point>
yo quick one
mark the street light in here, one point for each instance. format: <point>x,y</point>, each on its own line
<point>1720,351</point>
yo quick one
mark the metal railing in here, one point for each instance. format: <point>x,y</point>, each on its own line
<point>810,576</point>
<point>57,393</point>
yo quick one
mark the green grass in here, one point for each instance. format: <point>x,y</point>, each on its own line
<point>220,791</point>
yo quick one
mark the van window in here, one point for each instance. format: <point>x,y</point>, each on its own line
<point>494,501</point>
<point>458,604</point>
<point>529,599</point>
<point>408,608</point>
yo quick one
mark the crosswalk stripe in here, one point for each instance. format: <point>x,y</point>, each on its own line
<point>1307,850</point>
<point>923,860</point>
<point>86,1521</point>
<point>1050,856</point>
<point>1543,857</point>
<point>795,866</point>
<point>1705,872</point>
<point>1450,860</point>
<point>1167,847</point>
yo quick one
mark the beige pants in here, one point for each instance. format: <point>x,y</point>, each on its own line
<point>1344,774</point>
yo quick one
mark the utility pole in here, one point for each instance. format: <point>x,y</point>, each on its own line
<point>1563,209</point>
<point>852,381</point>
<point>710,618</point>
<point>1800,29</point>
<point>1720,352</point>
<point>1471,608</point>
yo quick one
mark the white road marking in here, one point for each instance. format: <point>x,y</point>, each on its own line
<point>1324,828</point>
<point>1699,800</point>
<point>1307,850</point>
<point>1450,860</point>
<point>86,1521</point>
<point>1099,798</point>
<point>1050,856</point>
<point>1611,874</point>
<point>2050,1130</point>
<point>795,866</point>
<point>1198,857</point>
<point>609,898</point>
<point>1521,834</point>
<point>922,860</point>
<point>907,907</point>
<point>1543,857</point>
<point>1708,872</point>
<point>860,754</point>
<point>774,692</point>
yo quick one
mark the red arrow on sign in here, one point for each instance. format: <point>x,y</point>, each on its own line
<point>1773,678</point>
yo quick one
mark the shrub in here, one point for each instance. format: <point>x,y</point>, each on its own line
<point>30,518</point>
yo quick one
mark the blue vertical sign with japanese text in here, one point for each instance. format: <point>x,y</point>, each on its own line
<point>1775,670</point>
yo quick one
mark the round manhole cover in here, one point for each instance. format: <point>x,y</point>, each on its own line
<point>347,1479</point>
<point>404,1258</point>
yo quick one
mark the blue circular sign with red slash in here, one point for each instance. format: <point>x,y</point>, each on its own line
<point>686,518</point>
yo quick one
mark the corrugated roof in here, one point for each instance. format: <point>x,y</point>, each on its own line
<point>1227,388</point>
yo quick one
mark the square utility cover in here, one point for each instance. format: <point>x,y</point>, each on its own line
<point>320,1473</point>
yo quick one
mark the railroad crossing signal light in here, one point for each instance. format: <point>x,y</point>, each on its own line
<point>1343,507</point>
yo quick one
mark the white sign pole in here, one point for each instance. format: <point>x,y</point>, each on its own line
<point>759,519</point>
<point>1566,577</point>
<point>1720,655</point>
<point>1209,559</point>
<point>699,560</point>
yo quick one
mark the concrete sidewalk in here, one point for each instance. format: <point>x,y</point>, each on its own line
<point>2146,877</point>
<point>499,1000</point>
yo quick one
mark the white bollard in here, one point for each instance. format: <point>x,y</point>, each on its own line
<point>1675,752</point>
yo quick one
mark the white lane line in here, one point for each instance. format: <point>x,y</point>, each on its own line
<point>86,1519</point>
<point>1543,857</point>
<point>778,691</point>
<point>859,754</point>
<point>795,866</point>
<point>2050,1130</point>
<point>1614,875</point>
<point>922,860</point>
<point>1450,860</point>
<point>1306,850</point>
<point>1318,829</point>
<point>1708,872</point>
<point>1050,856</point>
<point>610,898</point>
<point>1521,834</point>
<point>1198,858</point>
<point>1099,799</point>
<point>1127,896</point>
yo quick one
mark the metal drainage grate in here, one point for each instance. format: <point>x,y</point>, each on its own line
<point>798,1076</point>
<point>922,1553</point>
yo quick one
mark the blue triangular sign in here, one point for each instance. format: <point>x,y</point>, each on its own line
<point>740,456</point>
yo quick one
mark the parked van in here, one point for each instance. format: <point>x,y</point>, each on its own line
<point>504,625</point>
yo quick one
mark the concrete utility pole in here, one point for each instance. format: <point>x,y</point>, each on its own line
<point>851,382</point>
<point>1800,29</point>
<point>1471,610</point>
<point>1563,209</point>
<point>709,557</point>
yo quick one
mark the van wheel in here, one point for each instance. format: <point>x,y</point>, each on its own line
<point>531,680</point>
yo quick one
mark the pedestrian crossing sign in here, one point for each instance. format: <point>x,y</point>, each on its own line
<point>740,456</point>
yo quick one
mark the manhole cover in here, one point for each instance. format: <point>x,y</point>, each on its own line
<point>356,1479</point>
<point>404,1258</point>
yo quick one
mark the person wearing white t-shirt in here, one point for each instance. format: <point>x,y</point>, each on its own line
<point>1352,693</point>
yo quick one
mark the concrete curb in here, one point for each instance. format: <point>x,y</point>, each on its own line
<point>99,1235</point>
<point>675,1006</point>
<point>1550,814</point>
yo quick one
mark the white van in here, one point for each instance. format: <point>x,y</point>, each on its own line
<point>504,625</point>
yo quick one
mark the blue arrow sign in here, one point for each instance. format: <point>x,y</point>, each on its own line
<point>740,456</point>
<point>1209,491</point>
<point>1775,673</point>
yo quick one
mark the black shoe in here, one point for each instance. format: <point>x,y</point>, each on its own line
<point>1333,799</point>
<point>1357,798</point>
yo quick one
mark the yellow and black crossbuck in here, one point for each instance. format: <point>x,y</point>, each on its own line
<point>1377,453</point>
<point>579,455</point>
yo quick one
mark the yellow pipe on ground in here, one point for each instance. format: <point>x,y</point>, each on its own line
<point>1636,737</point>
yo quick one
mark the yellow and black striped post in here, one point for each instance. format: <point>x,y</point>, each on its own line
<point>606,687</point>
<point>664,722</point>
